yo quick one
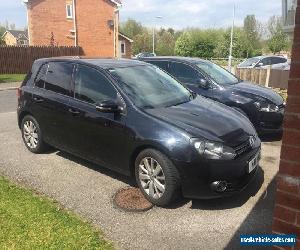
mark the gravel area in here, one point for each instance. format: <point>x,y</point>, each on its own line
<point>89,190</point>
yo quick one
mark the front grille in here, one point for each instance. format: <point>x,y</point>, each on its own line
<point>243,148</point>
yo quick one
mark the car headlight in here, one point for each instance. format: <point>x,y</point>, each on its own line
<point>213,150</point>
<point>266,107</point>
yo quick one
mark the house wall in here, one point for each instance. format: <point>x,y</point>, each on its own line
<point>46,17</point>
<point>93,33</point>
<point>128,47</point>
<point>287,205</point>
<point>10,39</point>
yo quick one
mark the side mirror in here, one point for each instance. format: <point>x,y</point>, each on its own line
<point>259,64</point>
<point>108,107</point>
<point>203,83</point>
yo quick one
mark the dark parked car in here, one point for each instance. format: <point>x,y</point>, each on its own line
<point>276,62</point>
<point>144,54</point>
<point>263,106</point>
<point>135,119</point>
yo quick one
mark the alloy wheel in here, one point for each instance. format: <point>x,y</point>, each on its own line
<point>30,134</point>
<point>152,177</point>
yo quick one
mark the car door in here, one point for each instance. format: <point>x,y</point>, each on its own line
<point>191,77</point>
<point>50,101</point>
<point>96,136</point>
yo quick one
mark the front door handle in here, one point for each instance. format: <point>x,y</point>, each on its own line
<point>73,111</point>
<point>38,100</point>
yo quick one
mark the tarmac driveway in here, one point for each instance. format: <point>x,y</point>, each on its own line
<point>88,190</point>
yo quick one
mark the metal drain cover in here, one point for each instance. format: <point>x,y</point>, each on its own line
<point>131,199</point>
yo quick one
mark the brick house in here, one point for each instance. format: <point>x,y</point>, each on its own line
<point>287,205</point>
<point>90,24</point>
<point>125,45</point>
<point>15,37</point>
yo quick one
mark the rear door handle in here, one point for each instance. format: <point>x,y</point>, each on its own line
<point>74,112</point>
<point>38,100</point>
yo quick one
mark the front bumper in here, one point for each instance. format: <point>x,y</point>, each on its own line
<point>270,122</point>
<point>198,176</point>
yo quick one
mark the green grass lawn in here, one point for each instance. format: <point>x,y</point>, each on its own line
<point>28,221</point>
<point>11,78</point>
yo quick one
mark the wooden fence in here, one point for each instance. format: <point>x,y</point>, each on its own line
<point>19,59</point>
<point>275,78</point>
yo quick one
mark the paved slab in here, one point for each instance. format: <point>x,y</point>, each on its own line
<point>8,101</point>
<point>9,85</point>
<point>88,190</point>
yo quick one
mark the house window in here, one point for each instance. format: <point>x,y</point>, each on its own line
<point>123,48</point>
<point>69,9</point>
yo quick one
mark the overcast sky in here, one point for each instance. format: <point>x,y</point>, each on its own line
<point>176,13</point>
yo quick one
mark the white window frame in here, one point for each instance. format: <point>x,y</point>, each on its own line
<point>69,7</point>
<point>123,43</point>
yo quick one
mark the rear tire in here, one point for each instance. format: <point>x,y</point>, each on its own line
<point>32,135</point>
<point>157,177</point>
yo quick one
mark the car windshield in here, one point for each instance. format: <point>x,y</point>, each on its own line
<point>217,73</point>
<point>249,62</point>
<point>149,87</point>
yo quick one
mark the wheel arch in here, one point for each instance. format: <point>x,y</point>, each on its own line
<point>139,149</point>
<point>21,117</point>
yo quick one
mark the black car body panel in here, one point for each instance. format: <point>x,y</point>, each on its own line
<point>113,140</point>
<point>240,96</point>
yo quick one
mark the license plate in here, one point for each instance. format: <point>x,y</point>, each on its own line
<point>253,163</point>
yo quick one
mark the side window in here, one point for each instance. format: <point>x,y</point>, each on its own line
<point>161,64</point>
<point>91,86</point>
<point>41,77</point>
<point>59,77</point>
<point>276,60</point>
<point>267,61</point>
<point>185,73</point>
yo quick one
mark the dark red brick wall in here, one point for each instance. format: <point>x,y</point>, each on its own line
<point>94,36</point>
<point>45,17</point>
<point>287,206</point>
<point>128,46</point>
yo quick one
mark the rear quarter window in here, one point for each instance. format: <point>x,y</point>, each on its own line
<point>59,77</point>
<point>26,81</point>
<point>41,76</point>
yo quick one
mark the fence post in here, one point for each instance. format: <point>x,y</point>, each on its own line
<point>268,76</point>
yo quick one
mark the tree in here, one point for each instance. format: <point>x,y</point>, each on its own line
<point>165,44</point>
<point>2,31</point>
<point>198,43</point>
<point>142,42</point>
<point>252,31</point>
<point>239,44</point>
<point>131,28</point>
<point>183,45</point>
<point>278,40</point>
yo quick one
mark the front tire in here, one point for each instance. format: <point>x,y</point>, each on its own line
<point>157,177</point>
<point>32,135</point>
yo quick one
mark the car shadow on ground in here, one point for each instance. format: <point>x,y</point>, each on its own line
<point>98,168</point>
<point>259,220</point>
<point>214,204</point>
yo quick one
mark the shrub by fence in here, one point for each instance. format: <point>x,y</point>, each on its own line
<point>275,78</point>
<point>19,59</point>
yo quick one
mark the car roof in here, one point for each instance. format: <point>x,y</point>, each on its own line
<point>104,63</point>
<point>262,57</point>
<point>176,58</point>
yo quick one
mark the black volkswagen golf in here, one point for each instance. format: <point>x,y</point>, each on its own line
<point>134,118</point>
<point>261,105</point>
